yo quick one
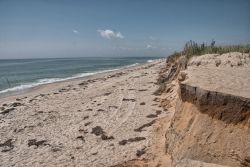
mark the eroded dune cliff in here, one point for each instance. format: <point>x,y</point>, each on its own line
<point>211,122</point>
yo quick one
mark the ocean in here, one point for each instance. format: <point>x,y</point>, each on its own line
<point>20,74</point>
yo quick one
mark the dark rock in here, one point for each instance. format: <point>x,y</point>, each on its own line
<point>142,90</point>
<point>83,130</point>
<point>105,137</point>
<point>97,131</point>
<point>80,138</point>
<point>34,142</point>
<point>83,83</point>
<point>72,157</point>
<point>106,94</point>
<point>144,126</point>
<point>123,142</point>
<point>7,145</point>
<point>142,103</point>
<point>88,123</point>
<point>113,107</point>
<point>158,112</point>
<point>31,100</point>
<point>95,153</point>
<point>56,149</point>
<point>63,90</point>
<point>247,159</point>
<point>6,111</point>
<point>136,139</point>
<point>139,153</point>
<point>157,99</point>
<point>86,117</point>
<point>126,99</point>
<point>151,116</point>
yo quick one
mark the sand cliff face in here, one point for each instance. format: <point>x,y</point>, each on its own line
<point>225,107</point>
<point>211,124</point>
<point>210,133</point>
<point>207,99</point>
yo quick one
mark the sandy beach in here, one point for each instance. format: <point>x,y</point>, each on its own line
<point>165,113</point>
<point>124,83</point>
<point>101,120</point>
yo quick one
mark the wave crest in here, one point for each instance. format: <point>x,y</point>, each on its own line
<point>53,80</point>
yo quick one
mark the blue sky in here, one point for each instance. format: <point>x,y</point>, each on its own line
<point>76,28</point>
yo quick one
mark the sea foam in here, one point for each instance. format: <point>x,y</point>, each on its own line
<point>53,80</point>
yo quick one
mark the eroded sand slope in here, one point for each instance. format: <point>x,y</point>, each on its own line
<point>212,116</point>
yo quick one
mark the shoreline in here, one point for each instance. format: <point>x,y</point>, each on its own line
<point>96,74</point>
<point>135,113</point>
<point>85,121</point>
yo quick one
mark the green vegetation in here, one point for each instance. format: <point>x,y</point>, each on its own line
<point>192,48</point>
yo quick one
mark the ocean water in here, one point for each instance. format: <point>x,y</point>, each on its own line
<point>21,74</point>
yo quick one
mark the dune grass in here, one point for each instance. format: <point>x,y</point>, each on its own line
<point>192,48</point>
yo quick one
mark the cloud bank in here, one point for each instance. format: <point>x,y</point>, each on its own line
<point>108,34</point>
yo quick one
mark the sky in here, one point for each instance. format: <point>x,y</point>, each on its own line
<point>93,28</point>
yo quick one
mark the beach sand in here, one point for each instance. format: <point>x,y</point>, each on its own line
<point>101,120</point>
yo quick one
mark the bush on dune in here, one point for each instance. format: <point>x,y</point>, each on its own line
<point>192,48</point>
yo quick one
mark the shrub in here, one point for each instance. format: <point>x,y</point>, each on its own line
<point>192,48</point>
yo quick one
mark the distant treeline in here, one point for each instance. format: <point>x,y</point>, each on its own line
<point>192,48</point>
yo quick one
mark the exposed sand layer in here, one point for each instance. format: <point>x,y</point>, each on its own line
<point>103,120</point>
<point>228,73</point>
<point>211,122</point>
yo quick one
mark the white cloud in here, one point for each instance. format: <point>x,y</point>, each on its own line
<point>108,34</point>
<point>149,46</point>
<point>75,31</point>
<point>119,35</point>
